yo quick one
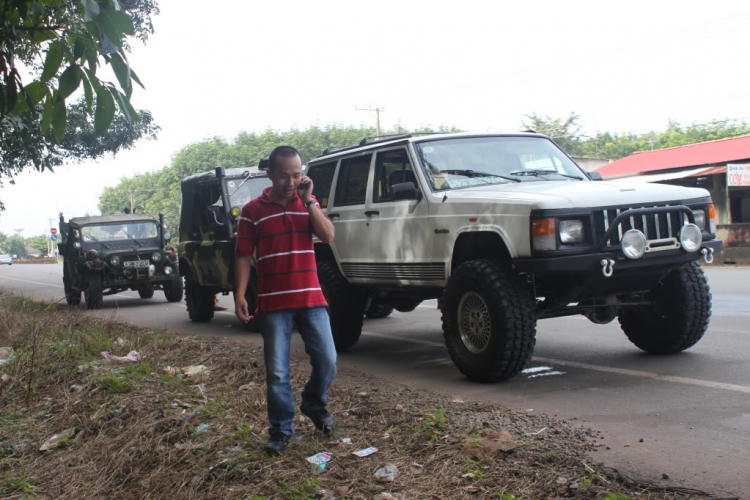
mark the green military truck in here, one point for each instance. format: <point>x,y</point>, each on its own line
<point>211,203</point>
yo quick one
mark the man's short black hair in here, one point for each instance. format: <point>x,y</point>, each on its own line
<point>283,151</point>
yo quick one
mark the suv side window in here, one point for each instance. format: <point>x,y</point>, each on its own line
<point>351,188</point>
<point>392,167</point>
<point>322,177</point>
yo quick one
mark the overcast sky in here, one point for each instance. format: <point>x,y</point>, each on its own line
<point>217,68</point>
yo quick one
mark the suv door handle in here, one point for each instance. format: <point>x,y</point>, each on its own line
<point>333,216</point>
<point>370,213</point>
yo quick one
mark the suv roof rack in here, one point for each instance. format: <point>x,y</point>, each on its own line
<point>373,139</point>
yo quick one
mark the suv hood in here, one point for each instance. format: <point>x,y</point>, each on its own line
<point>576,194</point>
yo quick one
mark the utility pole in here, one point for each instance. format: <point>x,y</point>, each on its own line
<point>50,243</point>
<point>377,115</point>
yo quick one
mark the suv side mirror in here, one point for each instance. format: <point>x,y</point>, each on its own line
<point>595,176</point>
<point>405,191</point>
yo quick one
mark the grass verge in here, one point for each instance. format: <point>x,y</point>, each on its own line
<point>146,430</point>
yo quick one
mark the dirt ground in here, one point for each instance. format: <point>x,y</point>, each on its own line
<point>155,429</point>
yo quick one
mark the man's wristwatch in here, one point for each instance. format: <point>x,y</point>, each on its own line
<point>309,202</point>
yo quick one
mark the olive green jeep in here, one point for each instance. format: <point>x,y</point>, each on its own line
<point>211,203</point>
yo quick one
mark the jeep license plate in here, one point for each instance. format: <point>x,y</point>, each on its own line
<point>135,263</point>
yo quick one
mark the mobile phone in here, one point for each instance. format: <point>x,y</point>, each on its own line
<point>303,186</point>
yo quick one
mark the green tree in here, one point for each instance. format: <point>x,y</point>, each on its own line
<point>63,43</point>
<point>159,192</point>
<point>16,246</point>
<point>4,246</point>
<point>564,131</point>
<point>38,242</point>
<point>615,146</point>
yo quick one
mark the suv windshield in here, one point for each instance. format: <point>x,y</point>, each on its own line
<point>475,161</point>
<point>242,190</point>
<point>120,231</point>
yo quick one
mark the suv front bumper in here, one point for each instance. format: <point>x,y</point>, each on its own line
<point>591,263</point>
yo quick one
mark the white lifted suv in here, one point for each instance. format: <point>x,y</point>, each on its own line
<point>505,229</point>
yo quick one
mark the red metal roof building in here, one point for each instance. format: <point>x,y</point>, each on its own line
<point>717,152</point>
<point>704,164</point>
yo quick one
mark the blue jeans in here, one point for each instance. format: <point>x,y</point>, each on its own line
<point>314,326</point>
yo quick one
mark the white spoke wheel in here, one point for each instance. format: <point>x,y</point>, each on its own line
<point>474,322</point>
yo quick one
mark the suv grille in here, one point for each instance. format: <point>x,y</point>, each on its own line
<point>665,226</point>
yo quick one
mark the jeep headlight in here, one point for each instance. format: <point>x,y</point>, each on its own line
<point>168,270</point>
<point>700,219</point>
<point>115,260</point>
<point>690,237</point>
<point>633,244</point>
<point>156,256</point>
<point>77,245</point>
<point>571,231</point>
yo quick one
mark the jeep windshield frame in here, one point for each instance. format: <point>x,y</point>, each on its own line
<point>117,232</point>
<point>453,163</point>
<point>244,189</point>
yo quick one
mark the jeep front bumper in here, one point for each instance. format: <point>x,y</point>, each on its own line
<point>592,263</point>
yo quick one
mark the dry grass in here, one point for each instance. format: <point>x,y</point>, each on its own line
<point>141,433</point>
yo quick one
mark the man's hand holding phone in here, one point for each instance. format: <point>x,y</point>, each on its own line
<point>305,188</point>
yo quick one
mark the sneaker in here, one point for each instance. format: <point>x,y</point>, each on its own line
<point>277,444</point>
<point>321,418</point>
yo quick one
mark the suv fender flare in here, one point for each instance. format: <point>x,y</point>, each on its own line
<point>481,242</point>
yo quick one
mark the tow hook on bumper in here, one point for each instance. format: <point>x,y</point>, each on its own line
<point>708,254</point>
<point>607,267</point>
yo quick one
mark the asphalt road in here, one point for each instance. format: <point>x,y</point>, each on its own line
<point>686,416</point>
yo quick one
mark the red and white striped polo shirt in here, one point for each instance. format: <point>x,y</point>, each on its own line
<point>286,269</point>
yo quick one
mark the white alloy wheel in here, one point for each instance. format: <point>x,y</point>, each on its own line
<point>474,323</point>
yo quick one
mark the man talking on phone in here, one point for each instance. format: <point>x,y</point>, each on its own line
<point>279,225</point>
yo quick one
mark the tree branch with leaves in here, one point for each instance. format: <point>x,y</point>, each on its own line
<point>63,44</point>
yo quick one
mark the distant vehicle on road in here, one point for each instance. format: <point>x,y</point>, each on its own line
<point>6,259</point>
<point>109,254</point>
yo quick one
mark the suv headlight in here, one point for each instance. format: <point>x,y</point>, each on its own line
<point>571,231</point>
<point>700,219</point>
<point>690,238</point>
<point>633,244</point>
<point>156,256</point>
<point>115,260</point>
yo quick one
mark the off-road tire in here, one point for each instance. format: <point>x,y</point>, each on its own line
<point>72,296</point>
<point>678,317</point>
<point>377,311</point>
<point>346,306</point>
<point>94,291</point>
<point>173,290</point>
<point>200,301</point>
<point>146,291</point>
<point>509,323</point>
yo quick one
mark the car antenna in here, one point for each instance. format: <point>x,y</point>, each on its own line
<point>445,197</point>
